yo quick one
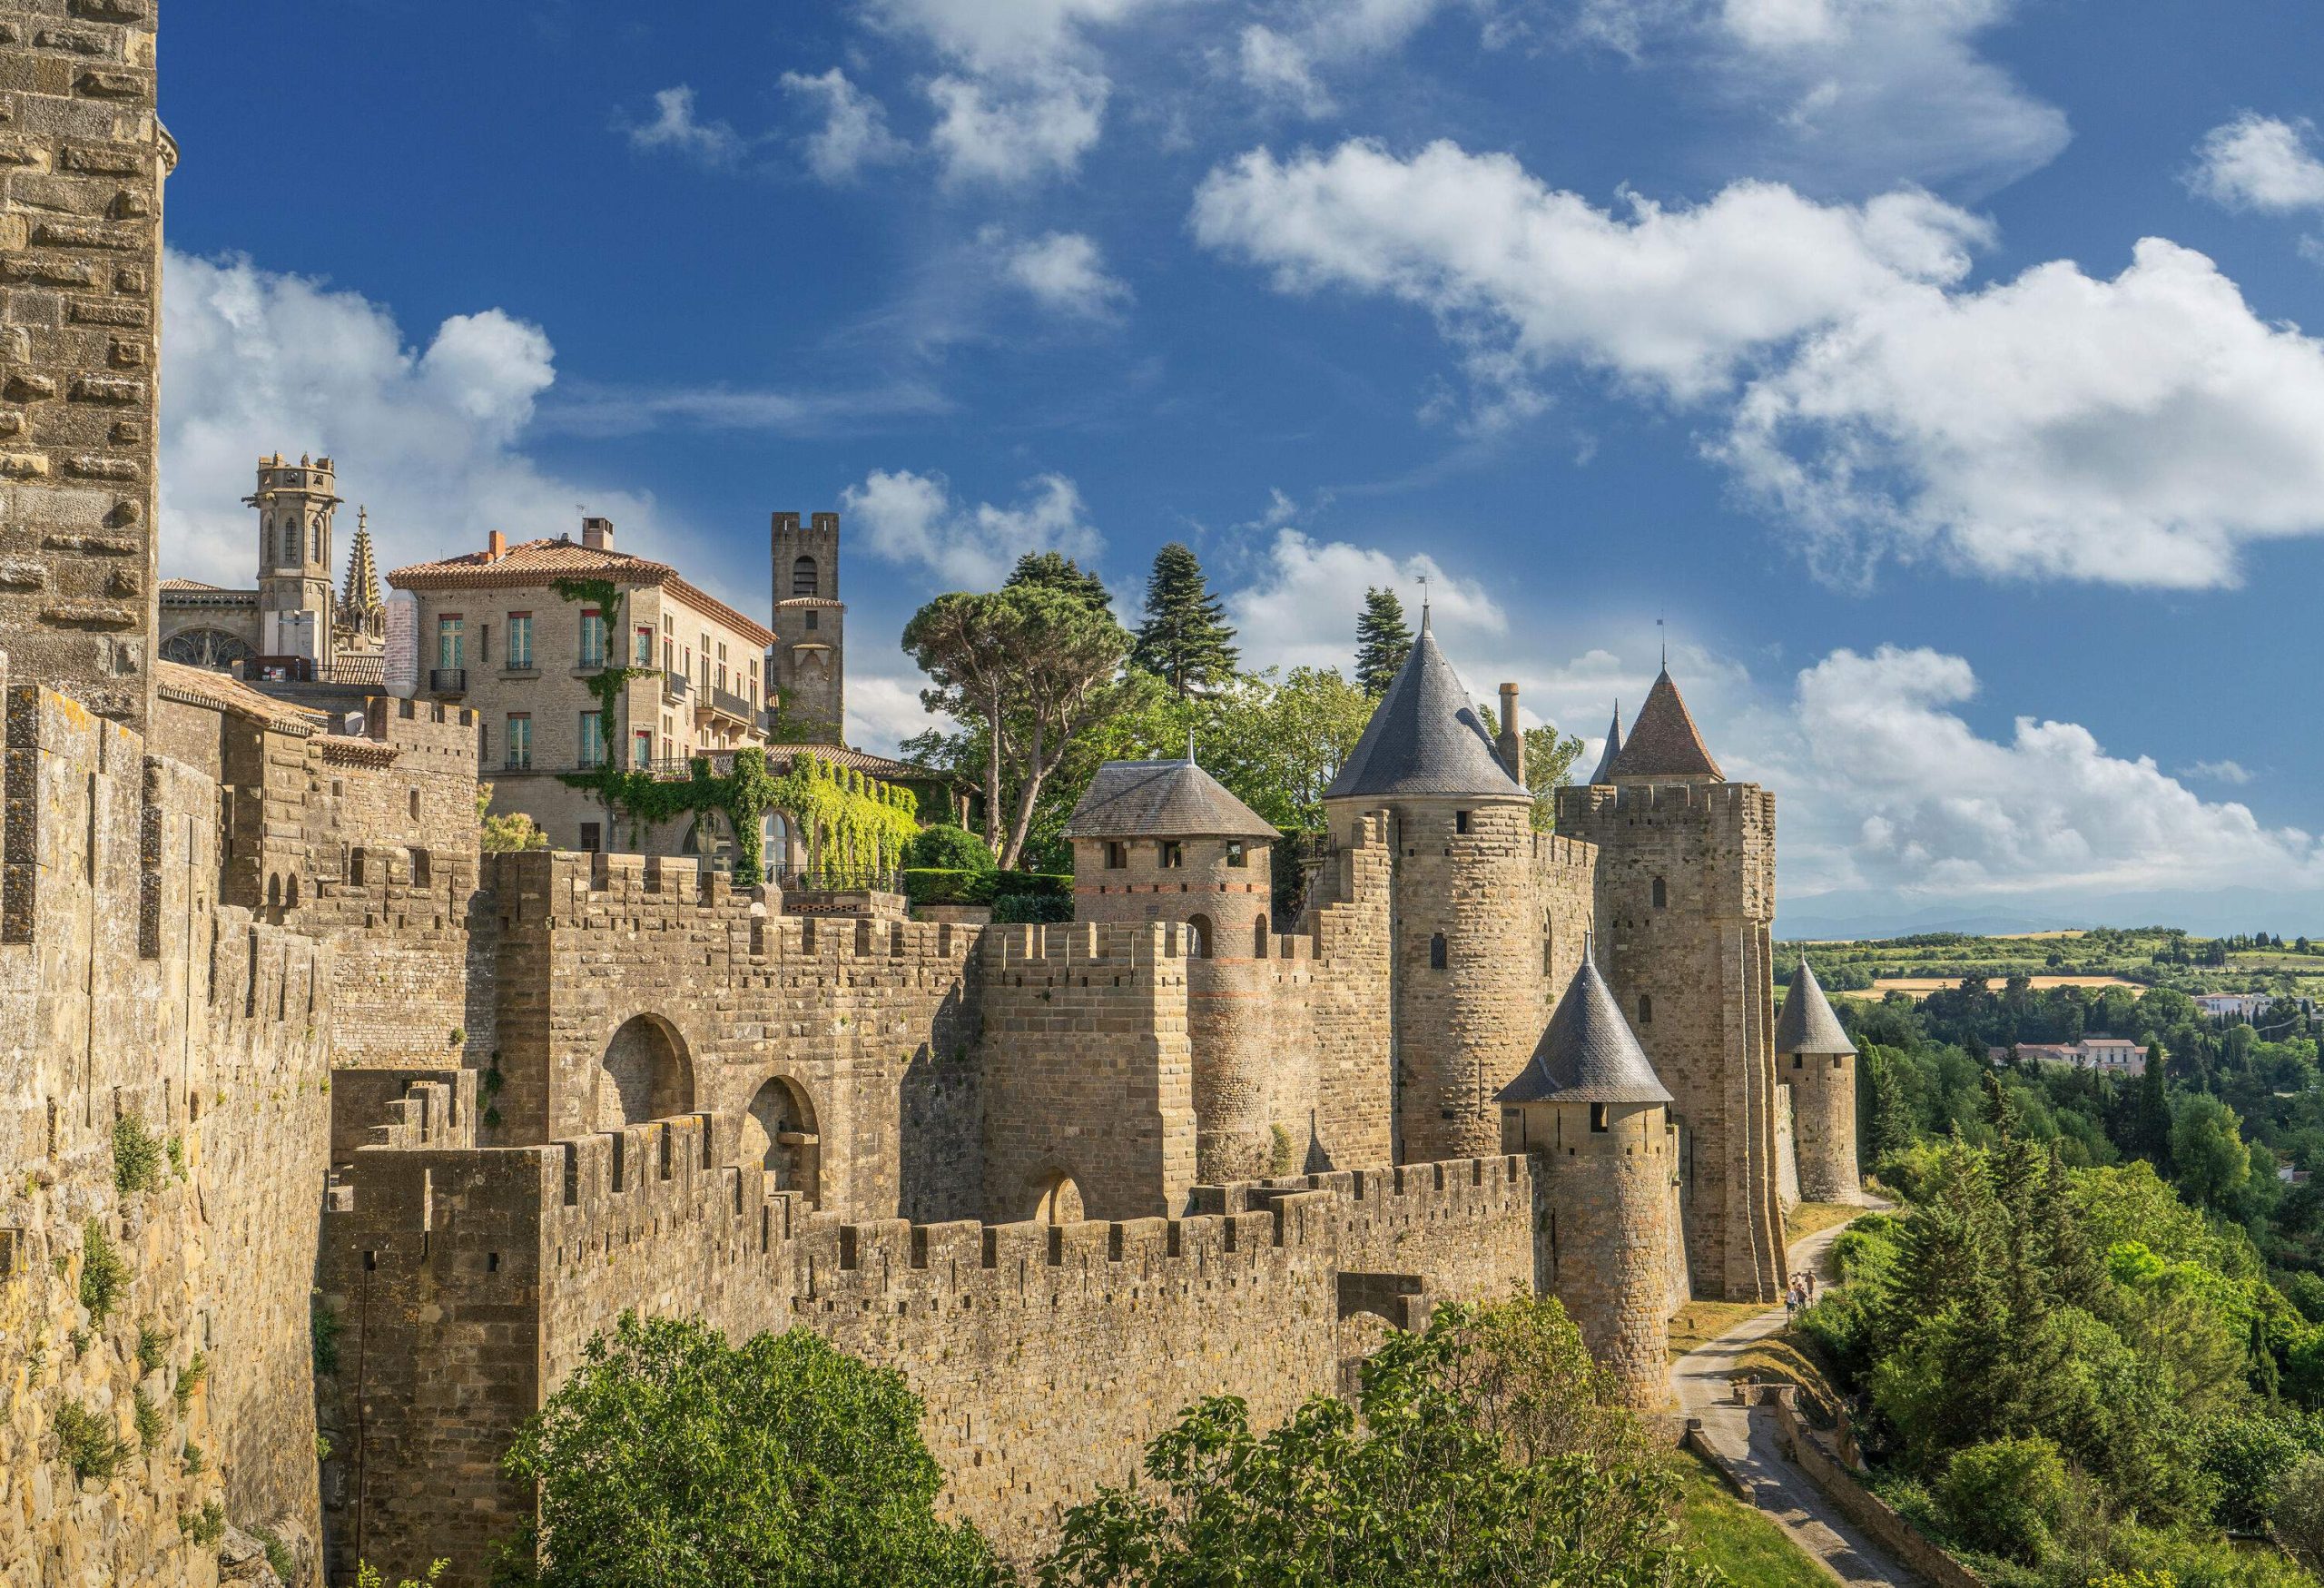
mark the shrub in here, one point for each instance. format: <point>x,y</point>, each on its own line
<point>325,1326</point>
<point>2005,1497</point>
<point>105,1273</point>
<point>87,1442</point>
<point>948,848</point>
<point>136,1156</point>
<point>152,1347</point>
<point>175,1148</point>
<point>672,1456</point>
<point>1282,1155</point>
<point>193,1460</point>
<point>2252,1455</point>
<point>1030,909</point>
<point>2299,1511</point>
<point>929,886</point>
<point>277,1554</point>
<point>207,1527</point>
<point>150,1423</point>
<point>367,1575</point>
<point>190,1379</point>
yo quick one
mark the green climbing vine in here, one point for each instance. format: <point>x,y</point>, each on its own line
<point>855,825</point>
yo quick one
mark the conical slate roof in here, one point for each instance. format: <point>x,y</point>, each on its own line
<point>1664,741</point>
<point>1162,799</point>
<point>1808,1024</point>
<point>1425,738</point>
<point>1588,1054</point>
<point>1605,772</point>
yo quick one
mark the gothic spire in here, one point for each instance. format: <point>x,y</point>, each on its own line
<point>1605,772</point>
<point>1664,742</point>
<point>361,597</point>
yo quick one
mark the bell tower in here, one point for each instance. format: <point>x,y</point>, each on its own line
<point>808,666</point>
<point>295,503</point>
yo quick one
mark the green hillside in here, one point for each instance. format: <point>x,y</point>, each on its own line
<point>2154,956</point>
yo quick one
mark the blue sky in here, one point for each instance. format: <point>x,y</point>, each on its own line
<point>1935,367</point>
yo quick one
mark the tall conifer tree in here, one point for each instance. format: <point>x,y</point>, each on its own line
<point>1381,642</point>
<point>1185,640</point>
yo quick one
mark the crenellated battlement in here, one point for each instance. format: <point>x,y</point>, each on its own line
<point>1738,803</point>
<point>1075,947</point>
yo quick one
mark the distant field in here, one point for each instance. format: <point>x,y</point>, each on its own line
<point>1922,986</point>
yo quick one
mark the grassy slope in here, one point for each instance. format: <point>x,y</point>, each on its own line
<point>1721,1531</point>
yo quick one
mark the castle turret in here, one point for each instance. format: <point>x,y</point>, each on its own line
<point>1592,1111</point>
<point>1815,1057</point>
<point>1165,841</point>
<point>807,666</point>
<point>1467,998</point>
<point>1684,899</point>
<point>295,503</point>
<point>1605,772</point>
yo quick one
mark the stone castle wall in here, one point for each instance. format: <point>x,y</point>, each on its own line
<point>82,157</point>
<point>1047,1355</point>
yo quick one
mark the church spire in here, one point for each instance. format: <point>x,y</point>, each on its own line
<point>1605,772</point>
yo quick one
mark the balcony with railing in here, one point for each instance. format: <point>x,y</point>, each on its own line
<point>448,680</point>
<point>677,687</point>
<point>717,702</point>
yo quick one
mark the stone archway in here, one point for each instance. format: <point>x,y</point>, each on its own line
<point>779,1134</point>
<point>1056,1199</point>
<point>644,1074</point>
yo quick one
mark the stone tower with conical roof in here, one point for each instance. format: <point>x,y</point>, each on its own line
<point>1163,841</point>
<point>1685,897</point>
<point>1466,996</point>
<point>1815,1057</point>
<point>1589,1108</point>
<point>1605,772</point>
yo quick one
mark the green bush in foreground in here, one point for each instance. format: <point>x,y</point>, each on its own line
<point>1485,1453</point>
<point>672,1459</point>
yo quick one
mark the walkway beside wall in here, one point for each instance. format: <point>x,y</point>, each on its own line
<point>1745,1438</point>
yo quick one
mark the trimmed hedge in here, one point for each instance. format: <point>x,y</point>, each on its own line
<point>932,886</point>
<point>1030,909</point>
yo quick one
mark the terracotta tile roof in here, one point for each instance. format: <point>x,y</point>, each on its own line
<point>1162,799</point>
<point>1425,737</point>
<point>189,585</point>
<point>544,562</point>
<point>1664,742</point>
<point>220,692</point>
<point>1808,1024</point>
<point>1588,1054</point>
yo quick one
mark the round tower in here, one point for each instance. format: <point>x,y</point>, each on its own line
<point>296,604</point>
<point>1815,1057</point>
<point>1467,996</point>
<point>1163,841</point>
<point>1596,1120</point>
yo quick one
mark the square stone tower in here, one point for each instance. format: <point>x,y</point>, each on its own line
<point>82,157</point>
<point>808,664</point>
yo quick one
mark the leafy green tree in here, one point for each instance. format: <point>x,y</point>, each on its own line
<point>1277,742</point>
<point>672,1459</point>
<point>2209,1160</point>
<point>1381,642</point>
<point>1031,666</point>
<point>2005,1496</point>
<point>1457,1473</point>
<point>1550,756</point>
<point>1053,571</point>
<point>945,847</point>
<point>504,834</point>
<point>2152,1126</point>
<point>1185,640</point>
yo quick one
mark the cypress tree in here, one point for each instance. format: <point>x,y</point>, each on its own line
<point>1381,642</point>
<point>1185,640</point>
<point>2155,1109</point>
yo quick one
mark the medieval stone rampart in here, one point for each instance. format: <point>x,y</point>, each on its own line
<point>1047,1355</point>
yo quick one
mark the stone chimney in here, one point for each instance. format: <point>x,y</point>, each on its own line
<point>496,546</point>
<point>1512,737</point>
<point>597,534</point>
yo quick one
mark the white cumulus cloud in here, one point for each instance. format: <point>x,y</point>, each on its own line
<point>2259,162</point>
<point>1299,607</point>
<point>428,435</point>
<point>2141,429</point>
<point>1024,91</point>
<point>914,520</point>
<point>677,129</point>
<point>1062,271</point>
<point>1895,789</point>
<point>1853,93</point>
<point>855,134</point>
<point>1669,297</point>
